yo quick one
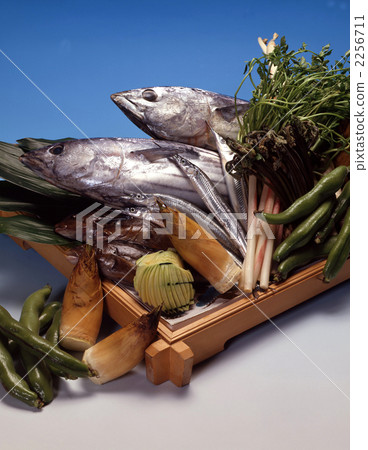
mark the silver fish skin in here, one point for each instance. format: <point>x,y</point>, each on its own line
<point>182,114</point>
<point>214,202</point>
<point>147,207</point>
<point>105,169</point>
<point>235,187</point>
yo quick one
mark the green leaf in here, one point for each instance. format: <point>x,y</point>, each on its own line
<point>28,144</point>
<point>11,169</point>
<point>14,198</point>
<point>32,229</point>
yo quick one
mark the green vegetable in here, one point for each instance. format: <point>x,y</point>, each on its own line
<point>14,198</point>
<point>339,252</point>
<point>161,279</point>
<point>32,229</point>
<point>311,91</point>
<point>48,313</point>
<point>302,257</point>
<point>294,126</point>
<point>11,346</point>
<point>52,333</point>
<point>13,383</point>
<point>38,375</point>
<point>303,206</point>
<point>305,231</point>
<point>342,205</point>
<point>40,347</point>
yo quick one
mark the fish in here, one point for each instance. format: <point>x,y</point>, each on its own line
<point>105,169</point>
<point>216,205</point>
<point>117,261</point>
<point>147,208</point>
<point>118,229</point>
<point>182,114</point>
<point>236,187</point>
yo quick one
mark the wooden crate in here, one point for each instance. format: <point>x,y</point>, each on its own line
<point>189,342</point>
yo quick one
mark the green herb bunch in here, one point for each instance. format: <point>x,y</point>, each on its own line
<point>309,91</point>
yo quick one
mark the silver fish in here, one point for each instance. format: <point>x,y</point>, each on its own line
<point>107,168</point>
<point>235,187</point>
<point>147,208</point>
<point>213,201</point>
<point>182,114</point>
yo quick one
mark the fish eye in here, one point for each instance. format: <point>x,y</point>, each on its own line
<point>132,210</point>
<point>149,95</point>
<point>57,150</point>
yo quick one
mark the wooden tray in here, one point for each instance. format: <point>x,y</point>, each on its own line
<point>189,342</point>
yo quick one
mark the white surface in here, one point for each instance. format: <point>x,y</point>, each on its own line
<point>261,393</point>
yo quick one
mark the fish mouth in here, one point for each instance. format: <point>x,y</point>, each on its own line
<point>132,111</point>
<point>37,165</point>
<point>32,161</point>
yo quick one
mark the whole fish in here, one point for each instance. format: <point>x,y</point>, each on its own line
<point>106,168</point>
<point>118,229</point>
<point>182,114</point>
<point>216,205</point>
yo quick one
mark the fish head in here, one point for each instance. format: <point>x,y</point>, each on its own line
<point>186,166</point>
<point>134,211</point>
<point>138,198</point>
<point>171,112</point>
<point>66,227</point>
<point>76,165</point>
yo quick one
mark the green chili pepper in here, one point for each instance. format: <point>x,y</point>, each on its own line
<point>40,347</point>
<point>13,383</point>
<point>342,205</point>
<point>38,375</point>
<point>339,252</point>
<point>305,205</point>
<point>304,232</point>
<point>302,257</point>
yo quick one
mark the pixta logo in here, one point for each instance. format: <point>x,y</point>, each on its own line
<point>90,224</point>
<point>99,225</point>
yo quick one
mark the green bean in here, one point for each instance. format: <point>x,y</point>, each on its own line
<point>40,347</point>
<point>12,347</point>
<point>302,257</point>
<point>304,232</point>
<point>38,374</point>
<point>305,205</point>
<point>339,252</point>
<point>342,205</point>
<point>52,335</point>
<point>13,383</point>
<point>48,313</point>
<point>45,318</point>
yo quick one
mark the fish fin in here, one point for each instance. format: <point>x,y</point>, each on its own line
<point>228,113</point>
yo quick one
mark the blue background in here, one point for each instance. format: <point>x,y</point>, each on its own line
<point>79,53</point>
